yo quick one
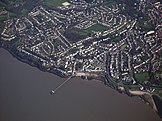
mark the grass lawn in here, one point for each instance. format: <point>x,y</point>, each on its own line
<point>5,17</point>
<point>109,3</point>
<point>24,12</point>
<point>160,69</point>
<point>17,43</point>
<point>158,92</point>
<point>79,31</point>
<point>2,4</point>
<point>142,76</point>
<point>16,2</point>
<point>160,82</point>
<point>56,42</point>
<point>96,28</point>
<point>11,3</point>
<point>54,3</point>
<point>134,87</point>
<point>12,14</point>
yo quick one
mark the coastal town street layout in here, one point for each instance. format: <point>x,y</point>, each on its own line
<point>99,40</point>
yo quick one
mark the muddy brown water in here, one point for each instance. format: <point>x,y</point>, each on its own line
<point>24,96</point>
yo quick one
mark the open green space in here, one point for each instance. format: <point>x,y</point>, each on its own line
<point>94,28</point>
<point>76,34</point>
<point>2,4</point>
<point>13,2</point>
<point>158,92</point>
<point>11,7</point>
<point>109,3</point>
<point>160,82</point>
<point>10,3</point>
<point>24,12</point>
<point>116,38</point>
<point>134,87</point>
<point>160,69</point>
<point>5,16</point>
<point>12,14</point>
<point>54,3</point>
<point>56,42</point>
<point>143,76</point>
<point>16,43</point>
<point>147,26</point>
<point>79,32</point>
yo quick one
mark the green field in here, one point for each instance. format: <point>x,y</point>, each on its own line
<point>158,92</point>
<point>54,3</point>
<point>5,17</point>
<point>94,28</point>
<point>134,87</point>
<point>109,3</point>
<point>79,31</point>
<point>160,69</point>
<point>56,42</point>
<point>17,43</point>
<point>11,4</point>
<point>144,76</point>
<point>2,4</point>
<point>24,12</point>
<point>16,2</point>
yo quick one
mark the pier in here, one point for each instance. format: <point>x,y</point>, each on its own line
<point>62,84</point>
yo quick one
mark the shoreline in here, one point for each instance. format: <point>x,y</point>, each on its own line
<point>146,96</point>
<point>26,61</point>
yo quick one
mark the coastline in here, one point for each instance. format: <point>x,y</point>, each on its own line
<point>147,97</point>
<point>15,55</point>
<point>158,102</point>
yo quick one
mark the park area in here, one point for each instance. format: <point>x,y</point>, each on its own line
<point>94,28</point>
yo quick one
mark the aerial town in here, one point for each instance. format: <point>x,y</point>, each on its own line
<point>97,40</point>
